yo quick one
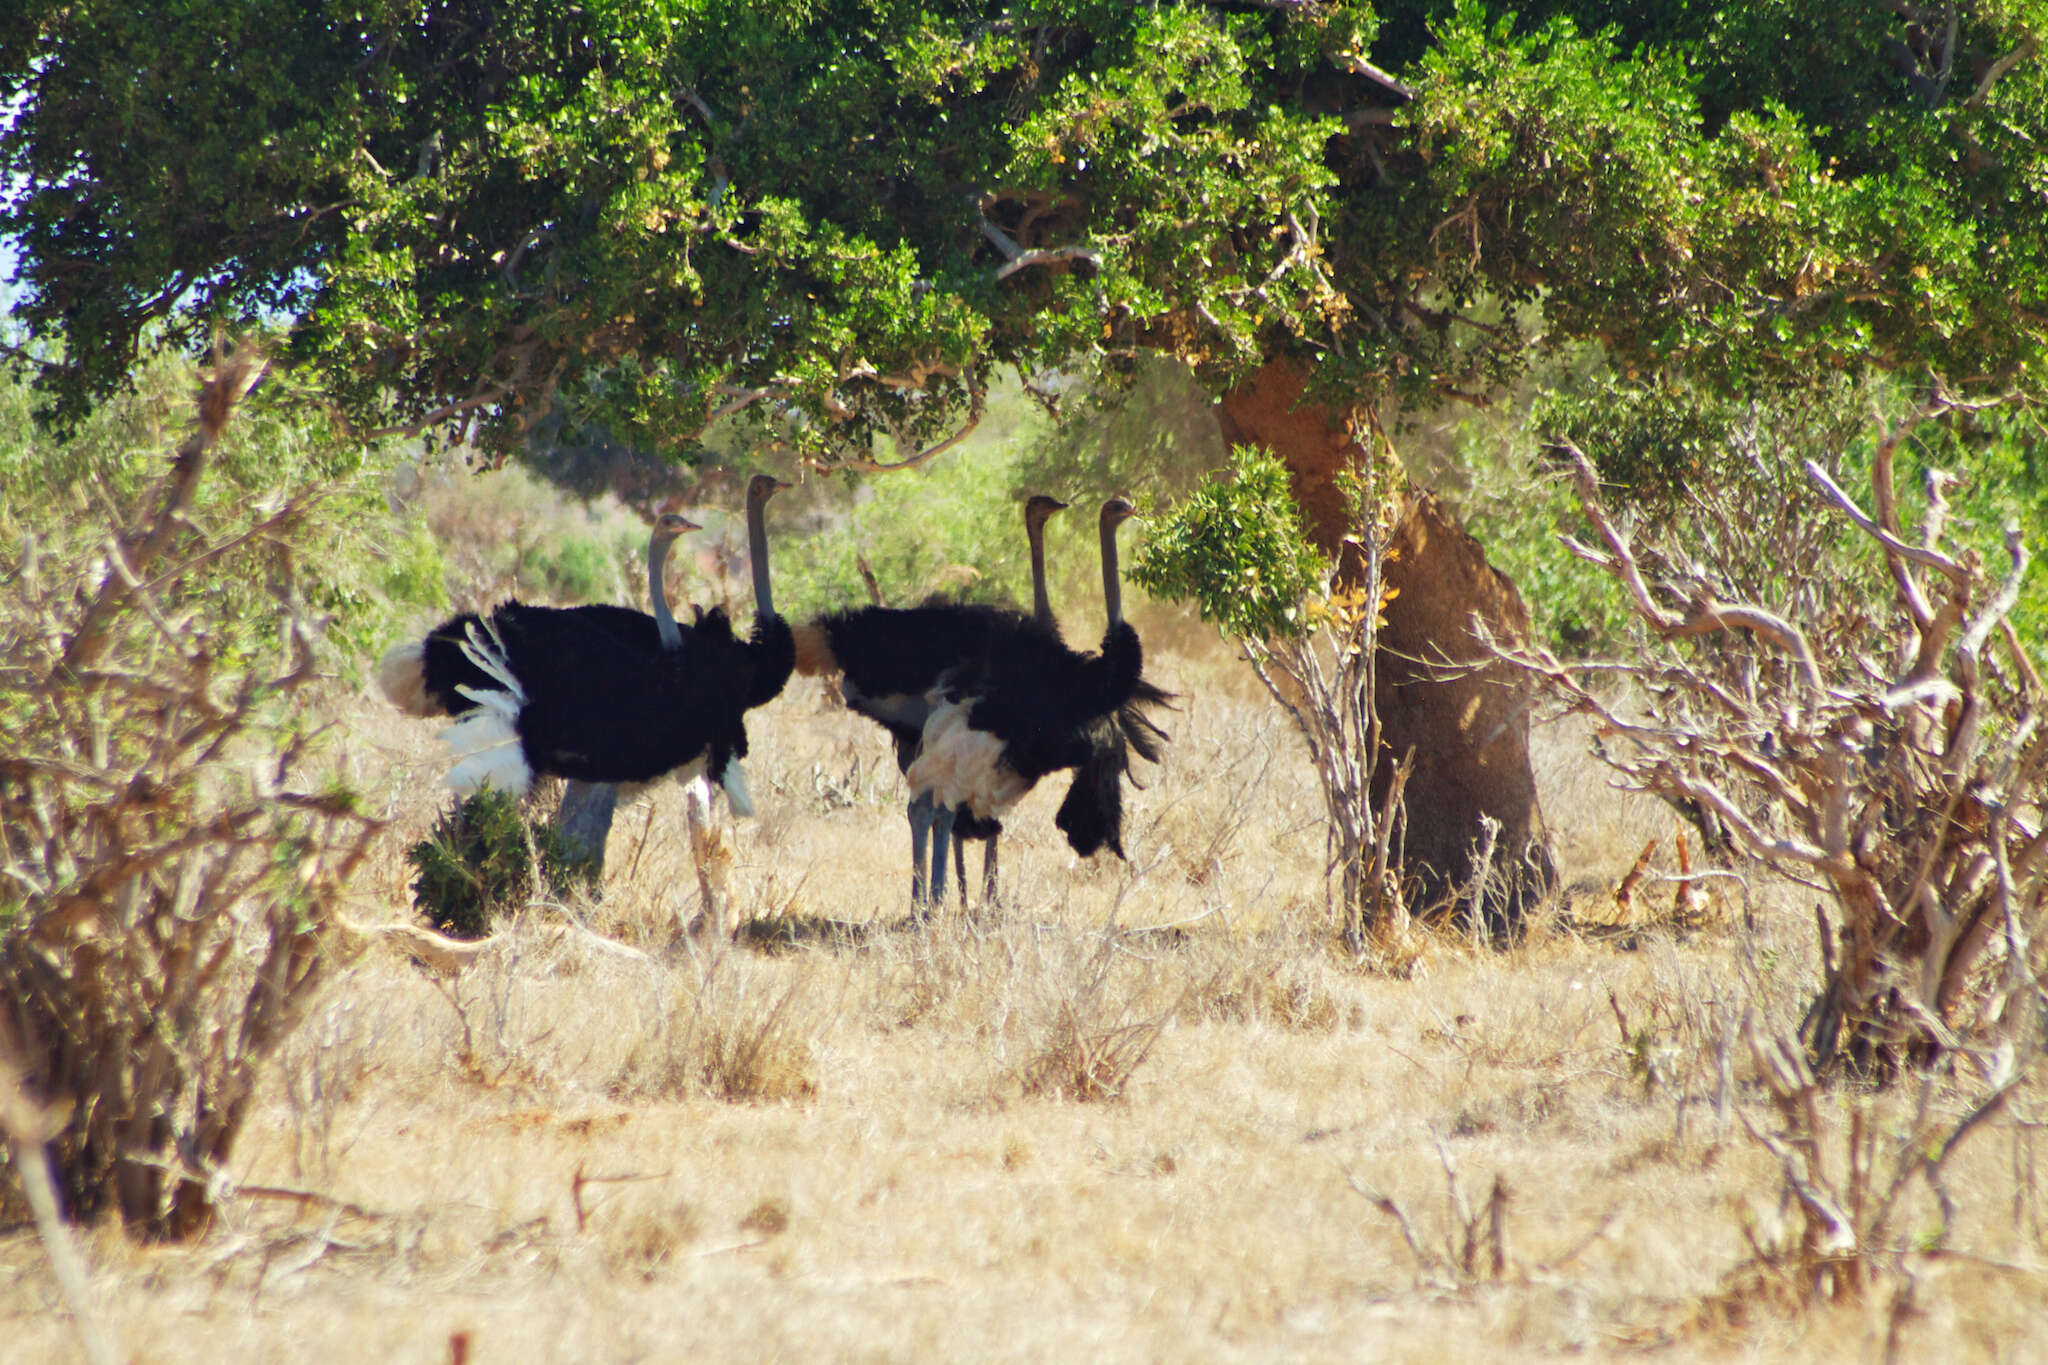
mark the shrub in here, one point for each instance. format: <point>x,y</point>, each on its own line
<point>1236,547</point>
<point>479,860</point>
<point>171,859</point>
<point>1884,747</point>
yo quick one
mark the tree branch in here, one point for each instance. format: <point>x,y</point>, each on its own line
<point>1996,71</point>
<point>977,403</point>
<point>1359,66</point>
<point>1893,546</point>
<point>231,382</point>
<point>1050,256</point>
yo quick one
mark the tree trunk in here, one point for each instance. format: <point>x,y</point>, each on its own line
<point>1439,691</point>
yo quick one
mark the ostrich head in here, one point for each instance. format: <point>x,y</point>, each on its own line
<point>1117,511</point>
<point>762,487</point>
<point>1039,507</point>
<point>669,525</point>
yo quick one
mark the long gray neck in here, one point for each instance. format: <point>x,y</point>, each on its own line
<point>657,593</point>
<point>757,553</point>
<point>1112,589</point>
<point>1041,604</point>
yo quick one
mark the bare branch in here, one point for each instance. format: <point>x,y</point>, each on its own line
<point>1050,256</point>
<point>1997,70</point>
<point>1359,66</point>
<point>1623,563</point>
<point>1893,546</point>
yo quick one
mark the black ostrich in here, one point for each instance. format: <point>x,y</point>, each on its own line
<point>601,693</point>
<point>1092,815</point>
<point>1038,509</point>
<point>891,658</point>
<point>1029,706</point>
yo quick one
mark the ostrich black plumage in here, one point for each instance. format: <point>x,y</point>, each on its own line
<point>601,693</point>
<point>1092,815</point>
<point>1038,509</point>
<point>1029,707</point>
<point>890,659</point>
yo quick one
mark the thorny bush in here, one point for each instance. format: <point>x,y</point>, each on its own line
<point>170,863</point>
<point>1891,756</point>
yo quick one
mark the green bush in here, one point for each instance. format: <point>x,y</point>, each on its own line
<point>1237,549</point>
<point>577,569</point>
<point>1665,450</point>
<point>478,861</point>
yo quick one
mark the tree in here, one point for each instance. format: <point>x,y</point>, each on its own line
<point>653,214</point>
<point>658,212</point>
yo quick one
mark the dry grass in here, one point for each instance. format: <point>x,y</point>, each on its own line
<point>1044,1134</point>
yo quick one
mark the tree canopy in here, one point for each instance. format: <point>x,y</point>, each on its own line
<point>650,213</point>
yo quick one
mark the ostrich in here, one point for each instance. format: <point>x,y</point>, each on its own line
<point>600,693</point>
<point>1092,815</point>
<point>1030,706</point>
<point>1038,509</point>
<point>890,659</point>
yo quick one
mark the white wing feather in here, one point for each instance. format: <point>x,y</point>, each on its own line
<point>490,657</point>
<point>486,740</point>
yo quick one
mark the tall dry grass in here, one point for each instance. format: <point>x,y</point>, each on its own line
<point>1145,1111</point>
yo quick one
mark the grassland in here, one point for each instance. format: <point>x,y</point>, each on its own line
<point>1036,1133</point>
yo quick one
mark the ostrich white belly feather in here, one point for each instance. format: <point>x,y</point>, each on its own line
<point>962,766</point>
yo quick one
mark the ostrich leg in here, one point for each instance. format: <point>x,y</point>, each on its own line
<point>988,871</point>
<point>942,833</point>
<point>921,814</point>
<point>585,824</point>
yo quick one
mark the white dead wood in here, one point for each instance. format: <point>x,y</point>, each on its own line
<point>1894,761</point>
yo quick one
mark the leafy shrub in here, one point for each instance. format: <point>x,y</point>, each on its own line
<point>1237,549</point>
<point>478,860</point>
<point>577,569</point>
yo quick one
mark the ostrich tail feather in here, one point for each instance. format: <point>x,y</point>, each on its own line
<point>486,649</point>
<point>402,678</point>
<point>813,649</point>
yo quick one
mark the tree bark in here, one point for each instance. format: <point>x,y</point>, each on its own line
<point>1440,691</point>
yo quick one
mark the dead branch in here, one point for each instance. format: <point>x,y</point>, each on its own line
<point>28,1127</point>
<point>1385,1204</point>
<point>237,374</point>
<point>1892,768</point>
